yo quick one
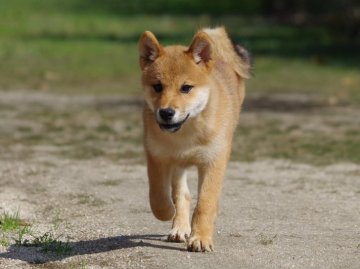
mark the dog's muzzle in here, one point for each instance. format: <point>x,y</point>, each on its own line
<point>172,127</point>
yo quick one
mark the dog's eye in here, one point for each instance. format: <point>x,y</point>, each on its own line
<point>186,88</point>
<point>158,87</point>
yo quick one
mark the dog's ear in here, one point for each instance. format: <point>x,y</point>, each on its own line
<point>244,54</point>
<point>200,48</point>
<point>149,49</point>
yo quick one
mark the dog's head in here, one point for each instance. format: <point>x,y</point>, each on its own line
<point>175,79</point>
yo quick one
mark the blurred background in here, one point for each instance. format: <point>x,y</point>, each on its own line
<point>91,46</point>
<point>306,56</point>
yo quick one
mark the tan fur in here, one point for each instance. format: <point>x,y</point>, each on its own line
<point>212,107</point>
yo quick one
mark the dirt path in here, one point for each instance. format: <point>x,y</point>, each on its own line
<point>274,213</point>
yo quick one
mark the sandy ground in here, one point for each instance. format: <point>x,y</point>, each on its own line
<point>273,214</point>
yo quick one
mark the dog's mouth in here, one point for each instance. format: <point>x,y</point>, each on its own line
<point>173,127</point>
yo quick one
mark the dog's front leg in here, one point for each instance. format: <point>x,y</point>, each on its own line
<point>210,184</point>
<point>182,199</point>
<point>159,174</point>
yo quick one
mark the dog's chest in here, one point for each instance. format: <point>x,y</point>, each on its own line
<point>184,150</point>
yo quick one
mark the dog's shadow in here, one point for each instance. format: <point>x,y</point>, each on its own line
<point>33,254</point>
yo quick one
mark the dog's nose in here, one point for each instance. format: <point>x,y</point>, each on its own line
<point>166,113</point>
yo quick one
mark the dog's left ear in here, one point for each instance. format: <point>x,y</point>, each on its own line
<point>200,48</point>
<point>244,54</point>
<point>149,49</point>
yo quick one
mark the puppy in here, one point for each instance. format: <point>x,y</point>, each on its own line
<point>193,97</point>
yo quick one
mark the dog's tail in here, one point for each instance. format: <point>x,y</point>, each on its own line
<point>224,49</point>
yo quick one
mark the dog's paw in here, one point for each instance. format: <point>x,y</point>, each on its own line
<point>179,234</point>
<point>200,244</point>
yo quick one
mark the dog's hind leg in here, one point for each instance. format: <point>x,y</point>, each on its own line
<point>159,174</point>
<point>181,196</point>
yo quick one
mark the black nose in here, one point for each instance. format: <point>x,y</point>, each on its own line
<point>166,113</point>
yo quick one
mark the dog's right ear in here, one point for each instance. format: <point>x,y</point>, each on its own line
<point>149,49</point>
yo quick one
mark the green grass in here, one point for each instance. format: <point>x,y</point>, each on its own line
<point>83,133</point>
<point>278,139</point>
<point>48,243</point>
<point>10,222</point>
<point>12,227</point>
<point>21,234</point>
<point>70,47</point>
<point>14,230</point>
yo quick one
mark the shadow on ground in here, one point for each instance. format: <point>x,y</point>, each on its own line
<point>34,255</point>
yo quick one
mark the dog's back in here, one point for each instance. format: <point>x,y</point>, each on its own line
<point>231,68</point>
<point>224,50</point>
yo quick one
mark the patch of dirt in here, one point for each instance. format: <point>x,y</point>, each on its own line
<point>273,213</point>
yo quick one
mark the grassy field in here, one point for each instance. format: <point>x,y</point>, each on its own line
<point>61,46</point>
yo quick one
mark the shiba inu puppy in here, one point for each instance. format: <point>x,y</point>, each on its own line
<point>193,97</point>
